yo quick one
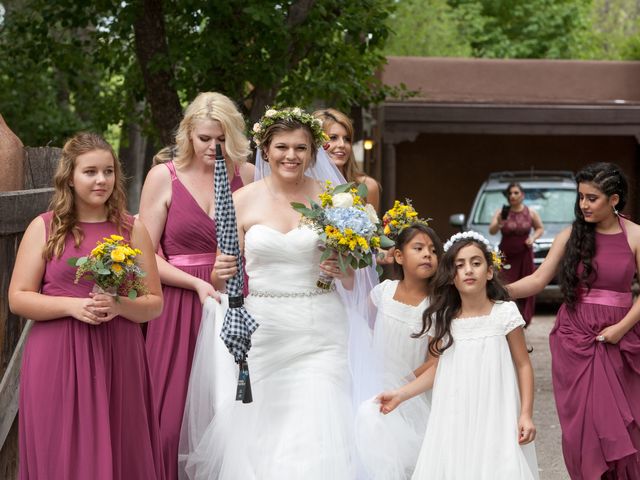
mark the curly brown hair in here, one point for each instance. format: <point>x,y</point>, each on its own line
<point>65,218</point>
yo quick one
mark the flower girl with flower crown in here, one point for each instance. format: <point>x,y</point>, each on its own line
<point>480,425</point>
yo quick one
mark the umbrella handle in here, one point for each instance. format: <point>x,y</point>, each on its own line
<point>244,384</point>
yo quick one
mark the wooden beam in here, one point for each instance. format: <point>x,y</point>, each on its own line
<point>9,387</point>
<point>399,132</point>
<point>512,119</point>
<point>19,208</point>
<point>40,166</point>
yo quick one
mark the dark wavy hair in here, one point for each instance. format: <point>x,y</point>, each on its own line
<point>507,190</point>
<point>406,235</point>
<point>445,298</point>
<point>581,246</point>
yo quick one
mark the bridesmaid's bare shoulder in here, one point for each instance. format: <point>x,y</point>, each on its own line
<point>633,232</point>
<point>247,172</point>
<point>249,193</point>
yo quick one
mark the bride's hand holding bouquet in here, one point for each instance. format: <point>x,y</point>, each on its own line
<point>349,230</point>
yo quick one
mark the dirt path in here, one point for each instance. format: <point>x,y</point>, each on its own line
<point>548,443</point>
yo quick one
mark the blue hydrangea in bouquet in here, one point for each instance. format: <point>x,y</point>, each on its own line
<point>349,228</point>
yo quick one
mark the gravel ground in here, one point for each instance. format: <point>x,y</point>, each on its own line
<point>548,442</point>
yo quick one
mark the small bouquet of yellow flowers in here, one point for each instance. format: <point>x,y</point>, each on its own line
<point>112,266</point>
<point>400,216</point>
<point>348,228</point>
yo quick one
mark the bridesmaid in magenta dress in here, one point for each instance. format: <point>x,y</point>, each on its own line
<point>595,343</point>
<point>517,242</point>
<point>177,205</point>
<point>86,406</point>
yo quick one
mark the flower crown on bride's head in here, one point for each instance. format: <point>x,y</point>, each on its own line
<point>273,115</point>
<point>497,257</point>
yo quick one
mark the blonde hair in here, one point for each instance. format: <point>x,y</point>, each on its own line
<point>164,155</point>
<point>331,116</point>
<point>65,216</point>
<point>218,107</point>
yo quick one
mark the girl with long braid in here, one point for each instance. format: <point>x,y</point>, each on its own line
<point>595,343</point>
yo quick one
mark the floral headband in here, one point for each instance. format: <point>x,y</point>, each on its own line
<point>497,256</point>
<point>399,217</point>
<point>272,116</point>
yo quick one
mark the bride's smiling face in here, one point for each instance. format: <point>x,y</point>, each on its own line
<point>289,153</point>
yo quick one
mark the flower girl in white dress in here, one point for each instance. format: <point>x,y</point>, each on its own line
<point>401,303</point>
<point>480,427</point>
<point>399,308</point>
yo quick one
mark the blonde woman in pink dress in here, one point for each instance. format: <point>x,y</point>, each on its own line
<point>177,205</point>
<point>86,407</point>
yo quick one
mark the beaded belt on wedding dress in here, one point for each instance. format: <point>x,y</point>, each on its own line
<point>306,293</point>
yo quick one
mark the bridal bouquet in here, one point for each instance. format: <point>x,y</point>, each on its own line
<point>112,266</point>
<point>399,217</point>
<point>349,229</point>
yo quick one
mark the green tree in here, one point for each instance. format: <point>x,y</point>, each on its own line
<point>72,64</point>
<point>429,28</point>
<point>526,28</point>
<point>614,32</point>
<point>490,28</point>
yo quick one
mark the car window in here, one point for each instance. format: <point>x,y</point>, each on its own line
<point>553,205</point>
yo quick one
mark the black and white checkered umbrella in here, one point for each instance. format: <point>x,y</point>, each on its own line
<point>238,324</point>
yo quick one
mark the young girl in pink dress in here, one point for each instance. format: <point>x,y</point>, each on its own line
<point>595,343</point>
<point>86,409</point>
<point>177,205</point>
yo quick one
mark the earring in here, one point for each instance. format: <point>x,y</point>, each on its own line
<point>615,211</point>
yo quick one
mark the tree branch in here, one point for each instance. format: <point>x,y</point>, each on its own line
<point>153,57</point>
<point>262,95</point>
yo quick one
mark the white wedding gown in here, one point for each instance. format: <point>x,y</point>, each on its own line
<point>300,424</point>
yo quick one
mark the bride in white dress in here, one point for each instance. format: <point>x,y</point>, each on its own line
<point>300,424</point>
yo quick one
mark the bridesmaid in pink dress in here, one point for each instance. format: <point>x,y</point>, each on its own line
<point>595,344</point>
<point>177,205</point>
<point>86,406</point>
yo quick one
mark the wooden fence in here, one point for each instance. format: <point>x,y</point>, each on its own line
<point>17,209</point>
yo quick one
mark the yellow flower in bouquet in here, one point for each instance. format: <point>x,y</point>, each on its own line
<point>348,228</point>
<point>499,260</point>
<point>399,217</point>
<point>112,266</point>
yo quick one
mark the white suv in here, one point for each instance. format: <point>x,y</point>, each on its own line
<point>552,194</point>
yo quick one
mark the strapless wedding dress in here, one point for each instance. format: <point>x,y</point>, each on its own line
<point>300,424</point>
